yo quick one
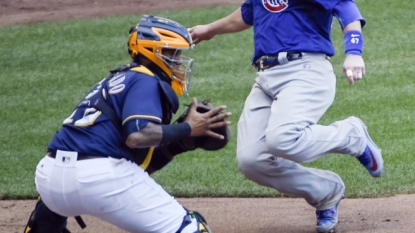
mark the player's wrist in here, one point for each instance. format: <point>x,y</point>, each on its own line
<point>353,43</point>
<point>175,132</point>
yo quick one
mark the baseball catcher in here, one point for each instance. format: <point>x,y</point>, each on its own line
<point>99,162</point>
<point>42,219</point>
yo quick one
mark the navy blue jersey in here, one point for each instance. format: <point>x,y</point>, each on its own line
<point>296,25</point>
<point>133,95</point>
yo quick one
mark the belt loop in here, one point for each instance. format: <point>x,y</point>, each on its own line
<point>328,58</point>
<point>282,58</point>
<point>259,63</point>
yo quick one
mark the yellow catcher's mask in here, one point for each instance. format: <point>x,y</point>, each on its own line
<point>162,41</point>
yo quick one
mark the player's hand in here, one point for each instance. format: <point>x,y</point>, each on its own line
<point>203,123</point>
<point>354,68</point>
<point>200,33</point>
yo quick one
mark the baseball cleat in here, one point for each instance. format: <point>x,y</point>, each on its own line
<point>371,158</point>
<point>327,219</point>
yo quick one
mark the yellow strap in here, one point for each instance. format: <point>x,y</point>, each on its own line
<point>147,160</point>
<point>142,69</point>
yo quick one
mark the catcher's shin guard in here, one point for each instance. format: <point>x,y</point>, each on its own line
<point>194,222</point>
<point>42,220</point>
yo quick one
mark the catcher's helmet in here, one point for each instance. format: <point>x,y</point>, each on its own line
<point>153,37</point>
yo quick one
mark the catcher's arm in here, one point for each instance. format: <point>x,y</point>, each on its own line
<point>195,124</point>
<point>206,120</point>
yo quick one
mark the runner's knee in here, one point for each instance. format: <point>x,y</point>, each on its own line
<point>248,162</point>
<point>283,143</point>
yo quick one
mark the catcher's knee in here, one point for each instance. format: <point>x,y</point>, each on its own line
<point>194,222</point>
<point>42,219</point>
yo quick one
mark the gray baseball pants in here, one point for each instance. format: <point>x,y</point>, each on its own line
<point>278,130</point>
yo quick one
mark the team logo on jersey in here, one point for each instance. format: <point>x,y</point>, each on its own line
<point>275,6</point>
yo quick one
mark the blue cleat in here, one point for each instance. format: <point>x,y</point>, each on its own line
<point>327,219</point>
<point>371,158</point>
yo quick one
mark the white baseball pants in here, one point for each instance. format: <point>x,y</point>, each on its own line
<point>114,190</point>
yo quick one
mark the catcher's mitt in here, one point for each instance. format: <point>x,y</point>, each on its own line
<point>204,142</point>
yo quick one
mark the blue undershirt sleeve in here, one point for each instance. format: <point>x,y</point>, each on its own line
<point>247,12</point>
<point>346,12</point>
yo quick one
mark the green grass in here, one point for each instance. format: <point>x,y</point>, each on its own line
<point>47,67</point>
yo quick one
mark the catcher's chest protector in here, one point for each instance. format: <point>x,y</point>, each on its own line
<point>169,99</point>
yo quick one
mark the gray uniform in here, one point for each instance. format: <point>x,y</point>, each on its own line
<point>294,87</point>
<point>278,129</point>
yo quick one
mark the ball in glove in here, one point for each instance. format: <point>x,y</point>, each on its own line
<point>204,142</point>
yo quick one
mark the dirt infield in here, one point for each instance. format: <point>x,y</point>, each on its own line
<point>224,215</point>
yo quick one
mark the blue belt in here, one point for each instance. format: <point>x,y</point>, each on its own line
<point>266,62</point>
